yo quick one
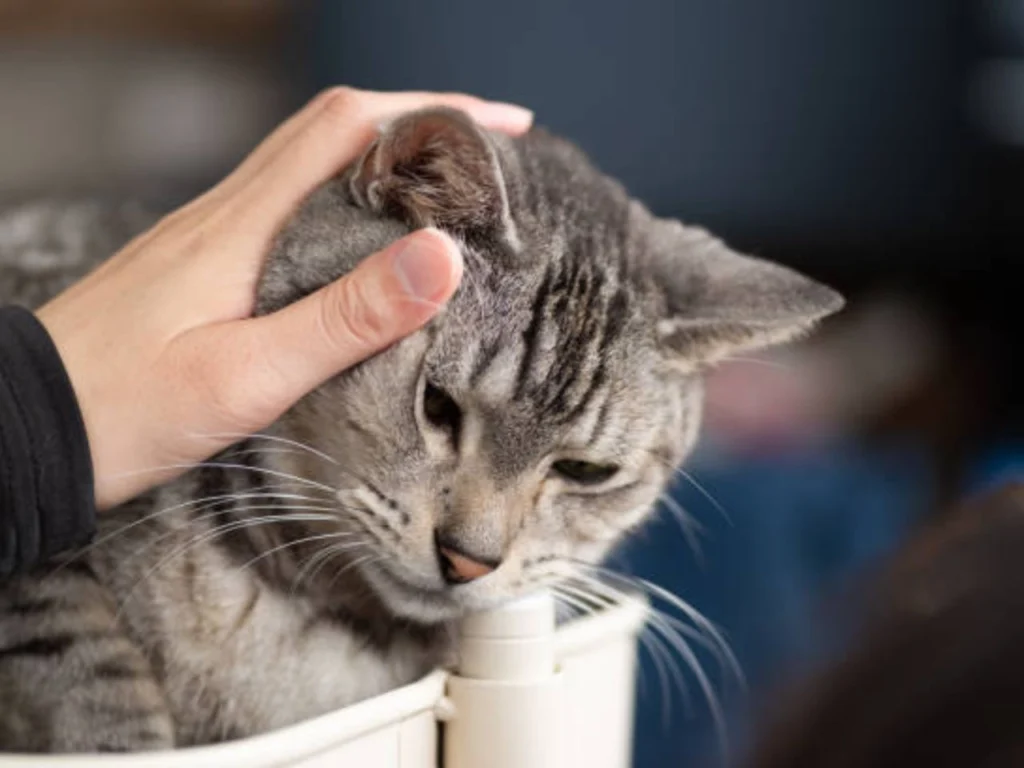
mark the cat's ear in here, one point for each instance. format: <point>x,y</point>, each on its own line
<point>719,302</point>
<point>435,167</point>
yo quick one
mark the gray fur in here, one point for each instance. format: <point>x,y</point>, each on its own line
<point>579,333</point>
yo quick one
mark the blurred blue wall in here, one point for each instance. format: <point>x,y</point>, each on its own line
<point>787,538</point>
<point>772,118</point>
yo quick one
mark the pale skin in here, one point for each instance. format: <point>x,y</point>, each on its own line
<point>165,359</point>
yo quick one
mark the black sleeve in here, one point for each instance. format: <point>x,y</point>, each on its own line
<point>47,502</point>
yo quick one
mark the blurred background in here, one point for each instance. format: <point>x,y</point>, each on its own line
<point>877,145</point>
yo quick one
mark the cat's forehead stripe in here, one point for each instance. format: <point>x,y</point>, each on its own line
<point>577,314</point>
<point>532,333</point>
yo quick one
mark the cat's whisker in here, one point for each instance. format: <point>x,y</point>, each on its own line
<point>238,509</point>
<point>655,614</point>
<point>287,476</point>
<point>242,467</point>
<point>688,477</point>
<point>682,648</point>
<point>210,535</point>
<point>322,556</point>
<point>287,515</point>
<point>572,607</point>
<point>777,364</point>
<point>564,610</point>
<point>662,661</point>
<point>665,664</point>
<point>259,507</point>
<point>231,454</point>
<point>354,564</point>
<point>328,554</point>
<point>563,592</point>
<point>294,543</point>
<point>662,628</point>
<point>661,657</point>
<point>263,436</point>
<point>202,503</point>
<point>581,600</point>
<point>688,525</point>
<point>700,622</point>
<point>321,561</point>
<point>670,667</point>
<point>675,633</point>
<point>290,509</point>
<point>680,645</point>
<point>684,652</point>
<point>317,506</point>
<point>705,493</point>
<point>675,643</point>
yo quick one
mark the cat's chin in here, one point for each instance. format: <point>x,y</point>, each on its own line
<point>425,605</point>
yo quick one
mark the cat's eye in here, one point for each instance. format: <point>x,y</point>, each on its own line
<point>584,472</point>
<point>441,410</point>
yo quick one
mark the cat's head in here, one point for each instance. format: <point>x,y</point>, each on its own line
<point>538,418</point>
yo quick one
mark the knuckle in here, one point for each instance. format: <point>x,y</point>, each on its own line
<point>461,101</point>
<point>341,102</point>
<point>227,394</point>
<point>223,393</point>
<point>350,321</point>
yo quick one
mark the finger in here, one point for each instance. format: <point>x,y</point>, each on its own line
<point>498,116</point>
<point>348,118</point>
<point>340,127</point>
<point>495,115</point>
<point>282,135</point>
<point>278,358</point>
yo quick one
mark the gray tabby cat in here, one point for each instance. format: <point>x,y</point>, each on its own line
<point>523,432</point>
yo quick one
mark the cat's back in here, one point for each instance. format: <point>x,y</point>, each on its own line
<point>46,245</point>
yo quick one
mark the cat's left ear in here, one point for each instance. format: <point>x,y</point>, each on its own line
<point>435,167</point>
<point>719,302</point>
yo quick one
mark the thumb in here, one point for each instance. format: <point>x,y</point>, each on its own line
<point>283,356</point>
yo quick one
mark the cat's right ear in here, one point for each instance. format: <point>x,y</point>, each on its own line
<point>436,167</point>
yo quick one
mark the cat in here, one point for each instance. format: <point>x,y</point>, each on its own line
<point>515,439</point>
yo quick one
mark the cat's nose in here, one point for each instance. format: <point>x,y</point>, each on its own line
<point>459,566</point>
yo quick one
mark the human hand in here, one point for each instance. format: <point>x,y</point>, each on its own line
<point>159,342</point>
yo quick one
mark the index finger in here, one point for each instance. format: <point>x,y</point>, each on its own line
<point>334,129</point>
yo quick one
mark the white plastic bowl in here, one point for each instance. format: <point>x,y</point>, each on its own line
<point>575,711</point>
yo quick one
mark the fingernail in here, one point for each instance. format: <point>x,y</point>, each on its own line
<point>510,114</point>
<point>425,263</point>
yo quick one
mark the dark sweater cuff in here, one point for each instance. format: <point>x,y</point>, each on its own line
<point>47,498</point>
